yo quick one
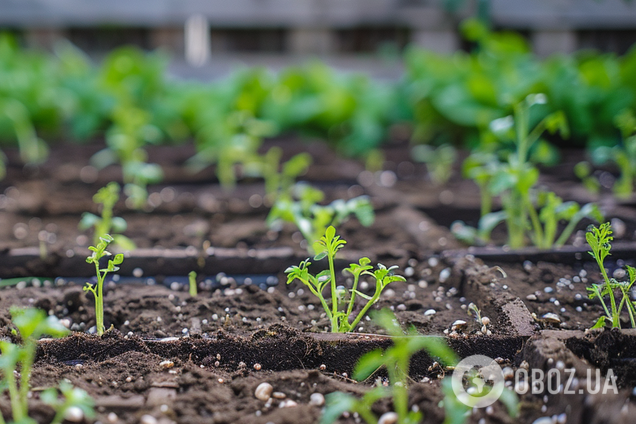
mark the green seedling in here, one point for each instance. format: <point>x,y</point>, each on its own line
<point>107,197</point>
<point>623,155</point>
<point>126,138</point>
<point>100,252</point>
<point>32,149</point>
<point>280,184</point>
<point>312,219</point>
<point>528,213</point>
<point>340,316</point>
<point>73,400</point>
<point>31,324</point>
<point>439,161</point>
<point>192,280</point>
<point>395,360</point>
<point>599,240</point>
<point>231,140</point>
<point>583,171</point>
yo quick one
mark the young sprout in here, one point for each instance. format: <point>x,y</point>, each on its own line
<point>107,223</point>
<point>599,240</point>
<point>100,252</point>
<point>396,360</point>
<point>482,321</point>
<point>31,324</point>
<point>528,213</point>
<point>192,278</point>
<point>312,219</point>
<point>439,161</point>
<point>340,318</point>
<point>75,403</point>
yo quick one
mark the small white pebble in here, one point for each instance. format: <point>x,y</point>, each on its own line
<point>287,404</point>
<point>74,414</point>
<point>388,418</point>
<point>316,399</point>
<point>148,419</point>
<point>263,391</point>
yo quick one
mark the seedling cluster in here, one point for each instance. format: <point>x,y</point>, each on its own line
<point>617,292</point>
<point>340,311</point>
<point>528,212</point>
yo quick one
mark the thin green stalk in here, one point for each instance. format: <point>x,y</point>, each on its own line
<point>521,121</point>
<point>615,317</point>
<point>323,302</point>
<point>534,219</point>
<point>486,200</point>
<point>364,310</point>
<point>630,309</point>
<point>99,301</point>
<point>334,299</point>
<point>400,392</point>
<point>367,416</point>
<point>598,294</point>
<point>515,220</point>
<point>565,235</point>
<point>25,373</point>
<point>353,295</point>
<point>17,409</point>
<point>59,415</point>
<point>622,304</point>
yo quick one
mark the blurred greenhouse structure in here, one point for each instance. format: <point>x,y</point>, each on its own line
<point>199,29</point>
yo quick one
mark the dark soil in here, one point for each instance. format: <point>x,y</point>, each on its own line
<point>201,226</point>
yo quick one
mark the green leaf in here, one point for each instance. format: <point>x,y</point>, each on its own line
<point>123,242</point>
<point>336,404</point>
<point>368,364</point>
<point>600,323</point>
<point>320,256</point>
<point>297,165</point>
<point>119,224</point>
<point>488,222</point>
<point>88,220</point>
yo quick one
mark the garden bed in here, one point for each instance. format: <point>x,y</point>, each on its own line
<point>246,315</point>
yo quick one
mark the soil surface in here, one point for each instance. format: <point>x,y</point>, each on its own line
<point>255,319</point>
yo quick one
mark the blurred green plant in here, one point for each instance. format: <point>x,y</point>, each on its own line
<point>526,211</point>
<point>439,161</point>
<point>623,155</point>
<point>107,197</point>
<point>302,209</point>
<point>17,360</point>
<point>396,361</point>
